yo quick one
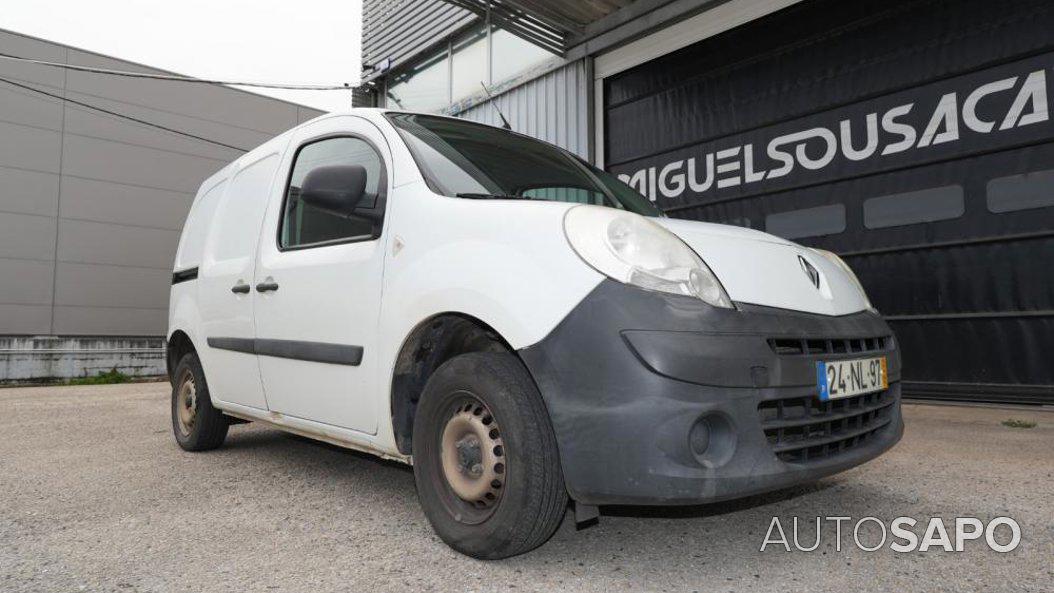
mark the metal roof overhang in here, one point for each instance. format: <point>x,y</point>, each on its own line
<point>573,29</point>
<point>570,29</point>
<point>554,25</point>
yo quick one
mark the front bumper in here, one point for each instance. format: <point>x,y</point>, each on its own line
<point>661,399</point>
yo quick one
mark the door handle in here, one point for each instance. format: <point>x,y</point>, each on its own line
<point>240,289</point>
<point>270,286</point>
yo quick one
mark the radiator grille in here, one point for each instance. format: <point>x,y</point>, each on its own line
<point>812,346</point>
<point>803,429</point>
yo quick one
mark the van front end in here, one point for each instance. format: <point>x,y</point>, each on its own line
<point>662,399</point>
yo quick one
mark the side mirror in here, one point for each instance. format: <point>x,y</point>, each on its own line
<point>336,189</point>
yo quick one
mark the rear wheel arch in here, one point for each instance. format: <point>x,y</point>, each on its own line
<point>177,346</point>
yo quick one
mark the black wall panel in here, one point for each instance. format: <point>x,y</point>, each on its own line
<point>929,122</point>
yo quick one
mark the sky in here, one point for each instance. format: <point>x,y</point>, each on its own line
<point>298,42</point>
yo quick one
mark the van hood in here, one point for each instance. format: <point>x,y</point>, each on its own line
<point>761,269</point>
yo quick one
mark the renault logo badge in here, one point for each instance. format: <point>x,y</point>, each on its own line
<point>810,271</point>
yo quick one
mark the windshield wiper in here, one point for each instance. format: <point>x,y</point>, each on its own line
<point>473,196</point>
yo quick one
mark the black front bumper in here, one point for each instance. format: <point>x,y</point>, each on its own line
<point>661,399</point>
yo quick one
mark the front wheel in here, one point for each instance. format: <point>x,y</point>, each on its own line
<point>485,458</point>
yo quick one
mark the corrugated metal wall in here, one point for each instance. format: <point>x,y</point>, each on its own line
<point>401,29</point>
<point>553,107</point>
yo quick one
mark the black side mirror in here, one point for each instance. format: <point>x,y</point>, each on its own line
<point>336,189</point>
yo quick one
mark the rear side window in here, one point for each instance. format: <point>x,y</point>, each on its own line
<point>304,225</point>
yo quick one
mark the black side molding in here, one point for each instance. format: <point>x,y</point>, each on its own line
<point>297,350</point>
<point>246,345</point>
<point>311,351</point>
<point>184,275</point>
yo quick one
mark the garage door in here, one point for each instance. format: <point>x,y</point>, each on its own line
<point>915,139</point>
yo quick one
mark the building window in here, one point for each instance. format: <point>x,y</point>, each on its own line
<point>454,73</point>
<point>808,222</point>
<point>1021,192</point>
<point>511,56</point>
<point>914,207</point>
<point>468,65</point>
<point>423,87</point>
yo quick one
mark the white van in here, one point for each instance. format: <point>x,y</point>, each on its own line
<point>522,327</point>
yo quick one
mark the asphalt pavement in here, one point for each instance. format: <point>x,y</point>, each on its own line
<point>96,496</point>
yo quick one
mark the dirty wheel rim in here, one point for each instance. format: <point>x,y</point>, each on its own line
<point>472,456</point>
<point>186,404</point>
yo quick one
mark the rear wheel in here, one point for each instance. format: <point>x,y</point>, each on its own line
<point>485,458</point>
<point>196,424</point>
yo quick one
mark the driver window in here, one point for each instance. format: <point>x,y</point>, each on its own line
<point>303,224</point>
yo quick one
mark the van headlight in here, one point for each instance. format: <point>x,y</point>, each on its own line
<point>634,250</point>
<point>833,258</point>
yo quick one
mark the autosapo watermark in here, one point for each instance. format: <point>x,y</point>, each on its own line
<point>902,534</point>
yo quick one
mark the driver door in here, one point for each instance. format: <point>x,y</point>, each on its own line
<point>318,280</point>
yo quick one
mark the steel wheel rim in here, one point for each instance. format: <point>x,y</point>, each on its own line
<point>472,460</point>
<point>186,404</point>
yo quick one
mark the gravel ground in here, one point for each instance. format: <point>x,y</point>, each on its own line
<point>96,496</point>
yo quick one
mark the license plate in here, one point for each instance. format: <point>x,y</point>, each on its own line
<point>846,378</point>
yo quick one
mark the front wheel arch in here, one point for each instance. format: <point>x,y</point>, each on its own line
<point>431,343</point>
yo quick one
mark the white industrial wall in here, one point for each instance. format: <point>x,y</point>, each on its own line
<point>90,204</point>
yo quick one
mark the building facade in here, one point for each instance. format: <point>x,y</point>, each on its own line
<point>91,204</point>
<point>914,138</point>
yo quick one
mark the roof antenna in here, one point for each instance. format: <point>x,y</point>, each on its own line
<point>490,97</point>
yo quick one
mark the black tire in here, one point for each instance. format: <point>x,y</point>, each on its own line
<point>532,497</point>
<point>208,426</point>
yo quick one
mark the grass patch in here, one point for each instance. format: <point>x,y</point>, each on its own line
<point>1015,423</point>
<point>109,377</point>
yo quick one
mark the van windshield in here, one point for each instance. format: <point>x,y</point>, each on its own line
<point>470,160</point>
